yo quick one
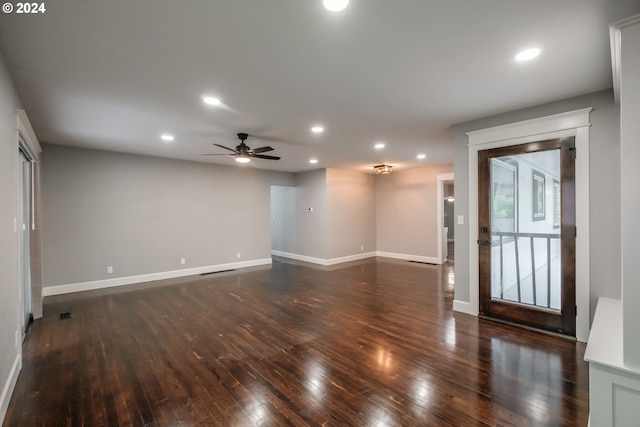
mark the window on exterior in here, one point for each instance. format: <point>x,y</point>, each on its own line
<point>504,207</point>
<point>538,193</point>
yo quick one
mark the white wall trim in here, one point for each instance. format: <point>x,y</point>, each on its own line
<point>9,385</point>
<point>553,123</point>
<point>122,281</point>
<point>28,135</point>
<point>322,261</point>
<point>574,123</point>
<point>333,261</point>
<point>304,258</point>
<point>615,33</point>
<point>409,257</point>
<point>464,307</point>
<point>441,178</point>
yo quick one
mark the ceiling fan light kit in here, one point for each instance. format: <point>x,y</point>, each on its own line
<point>335,5</point>
<point>382,169</point>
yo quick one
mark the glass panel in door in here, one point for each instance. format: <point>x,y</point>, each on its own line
<point>525,236</point>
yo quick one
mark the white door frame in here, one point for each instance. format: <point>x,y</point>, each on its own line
<point>573,123</point>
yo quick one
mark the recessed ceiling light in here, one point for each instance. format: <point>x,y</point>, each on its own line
<point>167,137</point>
<point>335,5</point>
<point>528,54</point>
<point>379,146</point>
<point>313,161</point>
<point>421,156</point>
<point>211,100</point>
<point>317,129</point>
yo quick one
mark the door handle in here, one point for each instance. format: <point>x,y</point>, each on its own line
<point>484,243</point>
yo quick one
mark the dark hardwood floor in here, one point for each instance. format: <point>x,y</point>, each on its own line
<point>370,343</point>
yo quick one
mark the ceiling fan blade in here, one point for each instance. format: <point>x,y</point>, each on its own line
<point>262,150</point>
<point>262,156</point>
<point>226,148</point>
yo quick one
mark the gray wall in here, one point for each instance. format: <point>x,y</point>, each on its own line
<point>143,214</point>
<point>283,219</point>
<point>604,189</point>
<point>351,213</point>
<point>406,211</point>
<point>9,280</point>
<point>311,227</point>
<point>341,222</point>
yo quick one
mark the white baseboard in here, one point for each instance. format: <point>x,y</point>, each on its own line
<point>121,281</point>
<point>9,385</point>
<point>350,258</point>
<point>322,261</point>
<point>408,257</point>
<point>304,258</point>
<point>464,307</point>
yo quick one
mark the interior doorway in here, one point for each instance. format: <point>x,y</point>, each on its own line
<point>448,203</point>
<point>445,217</point>
<point>26,224</point>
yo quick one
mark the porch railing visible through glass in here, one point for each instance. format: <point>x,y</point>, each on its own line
<point>526,268</point>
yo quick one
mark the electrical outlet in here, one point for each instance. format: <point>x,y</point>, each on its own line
<point>238,255</point>
<point>362,247</point>
<point>183,261</point>
<point>110,269</point>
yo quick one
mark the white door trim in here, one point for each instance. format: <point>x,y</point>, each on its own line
<point>573,123</point>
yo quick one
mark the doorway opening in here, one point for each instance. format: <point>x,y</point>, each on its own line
<point>445,219</point>
<point>26,224</point>
<point>448,202</point>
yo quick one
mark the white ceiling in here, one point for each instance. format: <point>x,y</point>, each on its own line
<point>116,74</point>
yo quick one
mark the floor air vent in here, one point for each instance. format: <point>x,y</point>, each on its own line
<point>65,315</point>
<point>422,262</point>
<point>215,272</point>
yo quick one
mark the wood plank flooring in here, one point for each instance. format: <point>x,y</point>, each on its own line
<point>370,343</point>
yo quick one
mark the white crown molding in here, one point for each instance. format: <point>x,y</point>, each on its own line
<point>615,38</point>
<point>28,135</point>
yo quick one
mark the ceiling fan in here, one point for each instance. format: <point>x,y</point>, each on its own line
<point>243,153</point>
